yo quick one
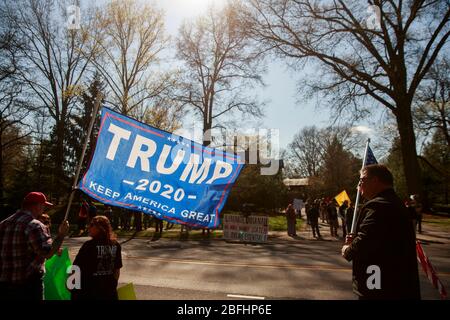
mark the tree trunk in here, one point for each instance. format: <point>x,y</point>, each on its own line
<point>1,172</point>
<point>206,132</point>
<point>446,192</point>
<point>138,221</point>
<point>59,181</point>
<point>411,166</point>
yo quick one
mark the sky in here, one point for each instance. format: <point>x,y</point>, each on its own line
<point>282,111</point>
<point>285,110</point>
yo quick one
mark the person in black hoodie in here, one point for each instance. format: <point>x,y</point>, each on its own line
<point>383,249</point>
<point>99,260</point>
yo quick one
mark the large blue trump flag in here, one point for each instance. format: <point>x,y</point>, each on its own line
<point>141,168</point>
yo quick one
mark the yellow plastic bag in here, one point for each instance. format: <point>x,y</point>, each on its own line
<point>126,292</point>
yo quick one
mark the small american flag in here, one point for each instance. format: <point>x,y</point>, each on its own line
<point>370,158</point>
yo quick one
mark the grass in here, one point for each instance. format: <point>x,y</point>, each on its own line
<point>276,223</point>
<point>170,234</point>
<point>279,223</point>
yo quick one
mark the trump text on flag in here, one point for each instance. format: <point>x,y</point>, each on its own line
<point>141,168</point>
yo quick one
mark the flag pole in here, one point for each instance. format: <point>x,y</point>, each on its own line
<point>97,103</point>
<point>358,193</point>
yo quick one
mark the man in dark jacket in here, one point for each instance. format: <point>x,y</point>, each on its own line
<point>383,248</point>
<point>342,214</point>
<point>313,216</point>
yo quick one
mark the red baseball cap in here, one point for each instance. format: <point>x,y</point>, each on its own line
<point>37,197</point>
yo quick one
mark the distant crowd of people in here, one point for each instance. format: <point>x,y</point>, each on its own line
<point>328,211</point>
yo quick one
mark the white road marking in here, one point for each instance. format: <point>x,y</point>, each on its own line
<point>245,297</point>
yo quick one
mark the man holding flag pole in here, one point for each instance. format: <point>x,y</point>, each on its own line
<point>381,244</point>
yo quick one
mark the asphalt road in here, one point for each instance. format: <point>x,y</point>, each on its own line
<point>282,268</point>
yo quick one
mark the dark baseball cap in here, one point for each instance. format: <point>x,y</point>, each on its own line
<point>37,197</point>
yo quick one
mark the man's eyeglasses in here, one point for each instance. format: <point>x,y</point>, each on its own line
<point>363,179</point>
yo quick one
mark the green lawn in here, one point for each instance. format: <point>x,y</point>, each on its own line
<point>276,223</point>
<point>279,223</point>
<point>170,234</point>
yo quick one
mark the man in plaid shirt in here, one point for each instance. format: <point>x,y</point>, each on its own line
<point>25,243</point>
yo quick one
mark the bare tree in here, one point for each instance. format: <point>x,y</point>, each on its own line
<point>350,139</point>
<point>218,67</point>
<point>432,110</point>
<point>339,169</point>
<point>132,38</point>
<point>383,56</point>
<point>13,107</point>
<point>13,128</point>
<point>53,62</point>
<point>165,114</point>
<point>305,152</point>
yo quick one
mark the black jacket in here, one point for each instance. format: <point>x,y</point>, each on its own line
<point>385,237</point>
